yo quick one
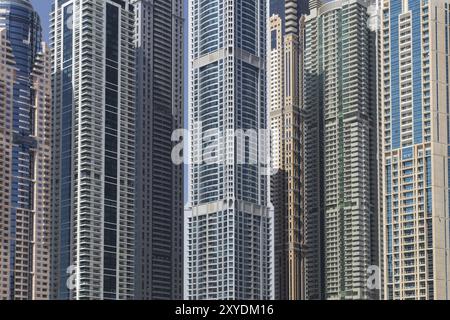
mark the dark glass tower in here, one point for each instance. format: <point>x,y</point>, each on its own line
<point>159,182</point>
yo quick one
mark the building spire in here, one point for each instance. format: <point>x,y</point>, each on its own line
<point>293,10</point>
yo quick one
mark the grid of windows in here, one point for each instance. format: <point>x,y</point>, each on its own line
<point>227,94</point>
<point>29,174</point>
<point>93,197</point>
<point>414,229</point>
<point>340,172</point>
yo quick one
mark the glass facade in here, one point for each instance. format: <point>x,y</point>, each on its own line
<point>340,149</point>
<point>228,229</point>
<point>66,151</point>
<point>414,117</point>
<point>159,181</point>
<point>24,34</point>
<point>94,150</point>
<point>111,151</point>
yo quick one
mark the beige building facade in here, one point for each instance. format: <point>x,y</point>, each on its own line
<point>7,77</point>
<point>25,235</point>
<point>286,150</point>
<point>415,149</point>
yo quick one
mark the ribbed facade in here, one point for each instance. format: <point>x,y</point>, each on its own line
<point>159,182</point>
<point>314,208</point>
<point>228,245</point>
<point>286,188</point>
<point>25,154</point>
<point>340,99</point>
<point>7,77</point>
<point>316,4</point>
<point>94,149</point>
<point>293,10</point>
<point>415,148</point>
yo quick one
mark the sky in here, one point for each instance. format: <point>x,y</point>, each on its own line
<point>43,8</point>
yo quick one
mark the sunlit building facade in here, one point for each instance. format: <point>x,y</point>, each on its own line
<point>25,130</point>
<point>415,148</point>
<point>94,149</point>
<point>286,185</point>
<point>228,227</point>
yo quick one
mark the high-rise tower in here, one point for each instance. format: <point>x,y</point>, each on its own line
<point>415,148</point>
<point>339,102</point>
<point>286,188</point>
<point>25,138</point>
<point>159,182</point>
<point>228,245</point>
<point>94,149</point>
<point>314,209</point>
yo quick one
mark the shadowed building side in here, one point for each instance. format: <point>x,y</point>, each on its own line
<point>286,187</point>
<point>340,96</point>
<point>159,182</point>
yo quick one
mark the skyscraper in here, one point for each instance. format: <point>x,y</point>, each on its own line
<point>7,77</point>
<point>288,10</point>
<point>286,189</point>
<point>25,131</point>
<point>314,215</point>
<point>228,245</point>
<point>94,149</point>
<point>339,102</point>
<point>159,182</point>
<point>416,137</point>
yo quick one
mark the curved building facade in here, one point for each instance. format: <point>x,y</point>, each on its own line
<point>29,152</point>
